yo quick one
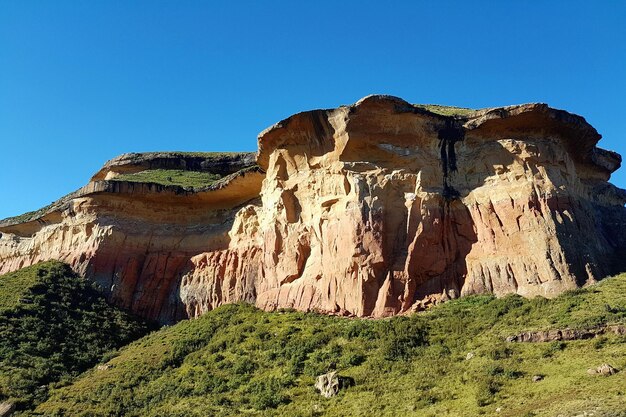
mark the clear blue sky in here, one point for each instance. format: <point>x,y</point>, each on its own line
<point>84,81</point>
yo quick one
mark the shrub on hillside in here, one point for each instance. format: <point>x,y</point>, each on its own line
<point>65,328</point>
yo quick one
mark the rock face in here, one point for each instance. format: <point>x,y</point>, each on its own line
<point>6,409</point>
<point>373,209</point>
<point>136,239</point>
<point>383,207</point>
<point>567,334</point>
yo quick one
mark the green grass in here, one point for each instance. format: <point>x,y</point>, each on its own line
<point>193,179</point>
<point>26,217</point>
<point>205,155</point>
<point>447,110</point>
<point>14,285</point>
<point>33,215</point>
<point>237,360</point>
<point>213,155</point>
<point>208,155</point>
<point>63,327</point>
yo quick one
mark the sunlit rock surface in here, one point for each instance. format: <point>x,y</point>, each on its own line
<point>373,209</point>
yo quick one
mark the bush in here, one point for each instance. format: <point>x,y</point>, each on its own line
<point>322,361</point>
<point>267,393</point>
<point>353,359</point>
<point>487,388</point>
<point>360,329</point>
<point>243,366</point>
<point>500,351</point>
<point>401,337</point>
<point>552,348</point>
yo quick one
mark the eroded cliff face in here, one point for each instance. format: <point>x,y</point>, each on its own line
<point>136,239</point>
<point>383,207</point>
<point>373,209</point>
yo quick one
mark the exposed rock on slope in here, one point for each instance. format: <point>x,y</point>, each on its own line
<point>371,209</point>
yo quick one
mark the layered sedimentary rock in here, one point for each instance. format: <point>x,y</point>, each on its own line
<point>383,207</point>
<point>373,209</point>
<point>136,239</point>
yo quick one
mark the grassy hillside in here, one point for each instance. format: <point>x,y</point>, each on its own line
<point>53,326</point>
<point>239,361</point>
<point>15,285</point>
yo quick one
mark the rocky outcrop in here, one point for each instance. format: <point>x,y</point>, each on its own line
<point>6,409</point>
<point>329,384</point>
<point>136,239</point>
<point>605,370</point>
<point>384,207</point>
<point>373,209</point>
<point>567,334</point>
<point>223,163</point>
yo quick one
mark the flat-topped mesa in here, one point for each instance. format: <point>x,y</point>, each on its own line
<point>382,207</point>
<point>135,231</point>
<point>373,209</point>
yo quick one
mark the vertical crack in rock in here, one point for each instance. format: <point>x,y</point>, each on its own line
<point>448,136</point>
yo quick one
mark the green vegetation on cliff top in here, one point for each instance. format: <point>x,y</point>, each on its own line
<point>447,110</point>
<point>194,154</point>
<point>178,177</point>
<point>237,360</point>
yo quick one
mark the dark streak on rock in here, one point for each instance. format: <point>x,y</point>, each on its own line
<point>448,136</point>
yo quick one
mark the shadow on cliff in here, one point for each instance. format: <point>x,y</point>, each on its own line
<point>438,265</point>
<point>427,253</point>
<point>591,244</point>
<point>591,235</point>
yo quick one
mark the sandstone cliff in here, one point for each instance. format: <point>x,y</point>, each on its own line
<point>135,239</point>
<point>372,209</point>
